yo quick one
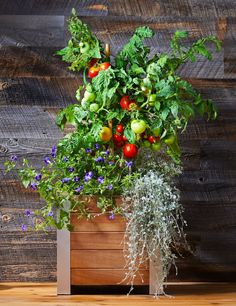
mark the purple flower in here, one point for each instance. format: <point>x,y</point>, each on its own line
<point>129,164</point>
<point>88,150</point>
<point>100,179</point>
<point>79,189</point>
<point>33,186</point>
<point>53,151</point>
<point>111,163</point>
<point>97,146</point>
<point>50,214</point>
<point>23,227</point>
<point>14,158</point>
<point>109,187</point>
<point>88,176</point>
<point>107,152</point>
<point>65,180</point>
<point>100,159</point>
<point>47,160</point>
<point>112,216</point>
<point>28,212</point>
<point>71,169</point>
<point>65,159</point>
<point>38,177</point>
<point>76,179</point>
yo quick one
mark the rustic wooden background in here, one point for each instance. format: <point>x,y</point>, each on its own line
<point>34,84</point>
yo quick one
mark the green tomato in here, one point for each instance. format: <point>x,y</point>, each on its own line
<point>138,126</point>
<point>84,47</point>
<point>146,144</point>
<point>94,107</point>
<point>156,146</point>
<point>152,98</point>
<point>89,96</point>
<point>170,140</point>
<point>156,132</point>
<point>84,104</point>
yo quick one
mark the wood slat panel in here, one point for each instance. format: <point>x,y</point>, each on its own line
<point>230,48</point>
<point>97,241</point>
<point>103,277</point>
<point>32,62</point>
<point>27,122</point>
<point>61,7</point>
<point>35,149</point>
<point>194,8</point>
<point>98,223</point>
<point>92,259</point>
<point>50,92</point>
<point>19,30</point>
<point>30,255</point>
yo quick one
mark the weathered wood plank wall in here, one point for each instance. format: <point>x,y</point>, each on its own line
<point>34,84</point>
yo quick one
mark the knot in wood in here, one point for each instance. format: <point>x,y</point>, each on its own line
<point>6,218</point>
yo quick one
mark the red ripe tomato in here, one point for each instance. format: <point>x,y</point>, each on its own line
<point>124,138</point>
<point>119,128</point>
<point>105,66</point>
<point>151,139</point>
<point>130,150</point>
<point>157,138</point>
<point>93,71</point>
<point>125,102</point>
<point>117,138</point>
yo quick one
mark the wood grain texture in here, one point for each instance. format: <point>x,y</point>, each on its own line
<point>98,223</point>
<point>40,31</point>
<point>230,48</point>
<point>185,294</point>
<point>59,7</point>
<point>96,259</point>
<point>97,241</point>
<point>32,62</point>
<point>46,91</point>
<point>104,277</point>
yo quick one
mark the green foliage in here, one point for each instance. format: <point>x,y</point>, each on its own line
<point>159,96</point>
<point>134,52</point>
<point>83,45</point>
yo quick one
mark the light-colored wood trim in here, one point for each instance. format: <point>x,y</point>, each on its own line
<point>155,274</point>
<point>63,262</point>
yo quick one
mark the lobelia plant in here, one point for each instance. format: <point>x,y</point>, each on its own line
<point>132,104</point>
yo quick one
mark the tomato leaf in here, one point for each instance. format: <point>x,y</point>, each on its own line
<point>130,135</point>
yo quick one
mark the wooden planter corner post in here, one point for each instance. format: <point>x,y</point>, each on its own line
<point>92,254</point>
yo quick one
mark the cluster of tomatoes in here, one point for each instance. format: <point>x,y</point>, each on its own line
<point>129,150</point>
<point>96,68</point>
<point>128,104</point>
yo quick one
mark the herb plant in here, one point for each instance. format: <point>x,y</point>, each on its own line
<point>124,106</point>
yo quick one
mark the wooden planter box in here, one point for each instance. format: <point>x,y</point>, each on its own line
<point>91,256</point>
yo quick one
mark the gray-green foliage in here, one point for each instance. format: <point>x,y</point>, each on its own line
<point>154,220</point>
